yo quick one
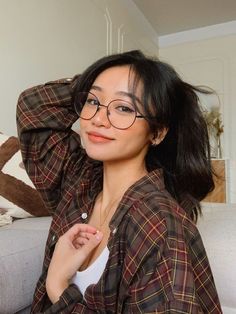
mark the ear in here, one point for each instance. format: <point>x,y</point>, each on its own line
<point>159,136</point>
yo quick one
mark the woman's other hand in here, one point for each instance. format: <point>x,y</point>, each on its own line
<point>70,252</point>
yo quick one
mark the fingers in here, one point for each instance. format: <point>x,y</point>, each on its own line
<point>81,239</point>
<point>91,244</point>
<point>79,229</point>
<point>86,235</point>
<point>82,228</point>
<point>85,239</point>
<point>79,242</point>
<point>82,236</point>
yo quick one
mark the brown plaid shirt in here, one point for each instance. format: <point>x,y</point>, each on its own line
<point>157,262</point>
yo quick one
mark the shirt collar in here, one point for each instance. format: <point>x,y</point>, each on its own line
<point>153,181</point>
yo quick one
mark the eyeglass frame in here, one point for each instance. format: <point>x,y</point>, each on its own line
<point>107,106</point>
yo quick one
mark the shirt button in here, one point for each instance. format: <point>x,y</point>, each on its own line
<point>84,216</point>
<point>53,237</point>
<point>114,231</point>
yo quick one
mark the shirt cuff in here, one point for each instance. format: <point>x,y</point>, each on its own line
<point>70,297</point>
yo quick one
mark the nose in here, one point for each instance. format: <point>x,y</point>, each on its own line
<point>100,118</point>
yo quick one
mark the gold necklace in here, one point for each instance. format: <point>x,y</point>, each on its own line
<point>107,212</point>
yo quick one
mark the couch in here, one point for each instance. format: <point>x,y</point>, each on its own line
<point>21,256</point>
<point>218,230</point>
<point>22,248</point>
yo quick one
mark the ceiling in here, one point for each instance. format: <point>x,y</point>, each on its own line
<point>172,16</point>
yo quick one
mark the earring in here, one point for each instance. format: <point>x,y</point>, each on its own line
<point>155,143</point>
<point>155,140</point>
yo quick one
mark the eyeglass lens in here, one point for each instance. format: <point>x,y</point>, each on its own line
<point>120,113</point>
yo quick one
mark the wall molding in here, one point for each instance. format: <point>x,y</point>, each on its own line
<point>120,38</point>
<point>218,30</point>
<point>109,31</point>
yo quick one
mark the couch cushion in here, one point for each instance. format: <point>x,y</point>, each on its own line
<point>21,257</point>
<point>217,227</point>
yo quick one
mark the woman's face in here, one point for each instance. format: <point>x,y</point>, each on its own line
<point>100,139</point>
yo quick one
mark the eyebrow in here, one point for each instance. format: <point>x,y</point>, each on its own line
<point>121,93</point>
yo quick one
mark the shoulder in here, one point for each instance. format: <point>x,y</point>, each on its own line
<point>155,215</point>
<point>159,217</point>
<point>159,230</point>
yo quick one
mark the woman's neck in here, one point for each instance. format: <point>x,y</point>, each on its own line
<point>118,177</point>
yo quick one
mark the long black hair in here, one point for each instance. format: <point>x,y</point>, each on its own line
<point>168,102</point>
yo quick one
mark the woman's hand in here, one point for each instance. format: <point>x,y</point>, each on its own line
<point>70,252</point>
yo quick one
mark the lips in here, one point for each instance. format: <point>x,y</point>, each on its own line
<point>98,138</point>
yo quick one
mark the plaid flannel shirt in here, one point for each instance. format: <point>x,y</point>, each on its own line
<point>157,262</point>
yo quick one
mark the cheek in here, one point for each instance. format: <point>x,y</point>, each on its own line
<point>82,123</point>
<point>82,131</point>
<point>140,135</point>
<point>134,143</point>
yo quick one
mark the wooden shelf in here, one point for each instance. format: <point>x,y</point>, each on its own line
<point>218,195</point>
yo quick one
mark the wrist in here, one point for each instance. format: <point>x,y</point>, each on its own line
<point>55,289</point>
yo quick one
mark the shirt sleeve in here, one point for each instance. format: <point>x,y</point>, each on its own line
<point>71,301</point>
<point>161,276</point>
<point>50,149</point>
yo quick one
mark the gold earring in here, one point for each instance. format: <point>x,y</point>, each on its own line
<point>155,142</point>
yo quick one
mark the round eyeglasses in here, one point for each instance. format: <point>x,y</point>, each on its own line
<point>120,113</point>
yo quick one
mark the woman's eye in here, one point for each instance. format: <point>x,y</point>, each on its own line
<point>124,108</point>
<point>92,101</point>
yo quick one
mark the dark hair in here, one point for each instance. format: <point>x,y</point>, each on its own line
<point>168,102</point>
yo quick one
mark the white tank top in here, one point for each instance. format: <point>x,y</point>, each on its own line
<point>93,273</point>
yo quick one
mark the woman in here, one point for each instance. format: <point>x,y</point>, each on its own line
<point>124,194</point>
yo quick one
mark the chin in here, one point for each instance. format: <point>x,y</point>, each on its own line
<point>96,155</point>
<point>101,156</point>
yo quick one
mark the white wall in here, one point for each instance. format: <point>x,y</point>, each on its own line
<point>211,62</point>
<point>49,39</point>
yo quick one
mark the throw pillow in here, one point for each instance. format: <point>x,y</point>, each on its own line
<point>18,196</point>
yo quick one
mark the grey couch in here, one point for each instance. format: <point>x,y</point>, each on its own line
<point>21,255</point>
